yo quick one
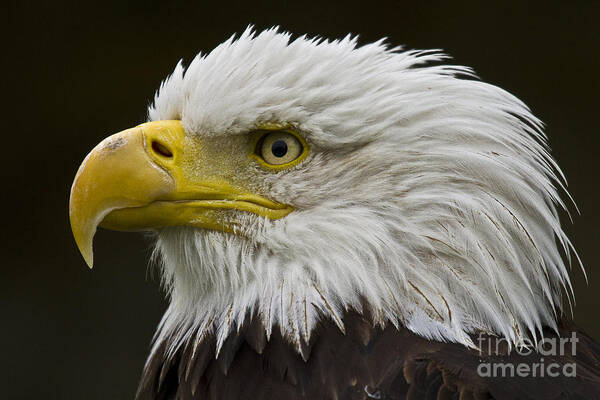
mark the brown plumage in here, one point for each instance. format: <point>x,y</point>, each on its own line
<point>364,363</point>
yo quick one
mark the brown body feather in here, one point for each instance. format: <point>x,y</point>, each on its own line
<point>364,363</point>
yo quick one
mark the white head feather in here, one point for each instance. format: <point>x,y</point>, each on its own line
<point>429,197</point>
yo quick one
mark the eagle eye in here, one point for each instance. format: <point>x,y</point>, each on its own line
<point>279,148</point>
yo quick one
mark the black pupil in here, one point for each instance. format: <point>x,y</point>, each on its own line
<point>279,148</point>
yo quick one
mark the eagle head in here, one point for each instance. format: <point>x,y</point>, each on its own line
<point>290,181</point>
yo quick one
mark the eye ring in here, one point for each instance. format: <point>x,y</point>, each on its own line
<point>280,149</point>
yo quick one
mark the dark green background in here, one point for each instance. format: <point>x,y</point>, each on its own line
<point>73,74</point>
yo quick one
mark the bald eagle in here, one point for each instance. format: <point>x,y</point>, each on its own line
<point>335,221</point>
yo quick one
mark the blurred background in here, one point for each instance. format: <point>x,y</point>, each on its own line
<point>73,74</point>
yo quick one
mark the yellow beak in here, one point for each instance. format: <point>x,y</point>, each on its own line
<point>137,180</point>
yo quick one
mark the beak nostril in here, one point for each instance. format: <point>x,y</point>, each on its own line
<point>161,149</point>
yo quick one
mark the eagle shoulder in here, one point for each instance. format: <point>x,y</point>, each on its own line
<point>365,362</point>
